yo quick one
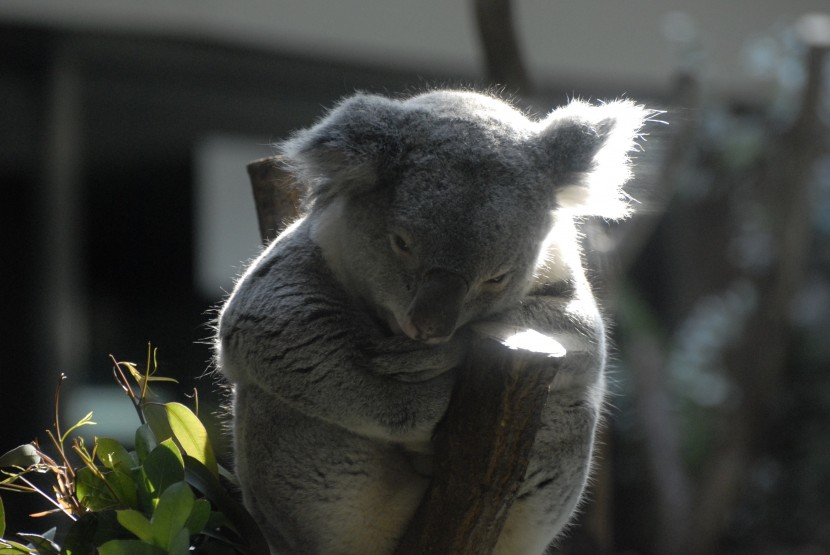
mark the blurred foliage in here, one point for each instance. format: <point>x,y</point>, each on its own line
<point>730,304</point>
<point>165,496</point>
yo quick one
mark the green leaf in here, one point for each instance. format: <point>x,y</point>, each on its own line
<point>190,435</point>
<point>201,479</point>
<point>180,544</point>
<point>199,515</point>
<point>43,545</point>
<point>90,530</point>
<point>124,487</point>
<point>92,491</point>
<point>79,539</point>
<point>229,476</point>
<point>136,523</point>
<point>8,547</point>
<point>145,441</point>
<point>171,513</point>
<point>156,416</point>
<point>162,467</point>
<point>146,491</point>
<point>129,547</point>
<point>171,445</point>
<point>85,421</point>
<point>113,455</point>
<point>140,377</point>
<point>22,456</point>
<point>2,518</point>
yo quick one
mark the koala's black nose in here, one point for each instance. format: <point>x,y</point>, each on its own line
<point>437,304</point>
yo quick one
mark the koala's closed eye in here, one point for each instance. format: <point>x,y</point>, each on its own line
<point>496,283</point>
<point>400,244</point>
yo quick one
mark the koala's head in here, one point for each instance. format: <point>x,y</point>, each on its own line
<point>434,209</point>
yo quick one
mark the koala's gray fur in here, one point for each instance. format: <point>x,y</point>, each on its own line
<point>427,219</point>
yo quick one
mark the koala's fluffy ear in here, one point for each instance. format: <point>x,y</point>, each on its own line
<point>587,148</point>
<point>343,153</point>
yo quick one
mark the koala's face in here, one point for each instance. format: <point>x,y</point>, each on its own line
<point>436,207</point>
<point>447,238</point>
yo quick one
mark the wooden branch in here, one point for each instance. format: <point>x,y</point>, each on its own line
<point>484,443</point>
<point>502,55</point>
<point>276,196</point>
<point>482,452</point>
<point>673,491</point>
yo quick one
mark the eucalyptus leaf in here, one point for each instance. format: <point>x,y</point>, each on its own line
<point>190,435</point>
<point>79,539</point>
<point>43,545</point>
<point>199,515</point>
<point>238,518</point>
<point>129,547</point>
<point>180,544</point>
<point>124,487</point>
<point>146,491</point>
<point>162,467</point>
<point>8,547</point>
<point>136,523</point>
<point>90,530</point>
<point>2,518</point>
<point>171,513</point>
<point>229,476</point>
<point>145,441</point>
<point>113,455</point>
<point>85,421</point>
<point>174,448</point>
<point>22,456</point>
<point>93,492</point>
<point>156,416</point>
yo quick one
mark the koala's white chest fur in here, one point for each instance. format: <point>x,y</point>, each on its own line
<point>426,221</point>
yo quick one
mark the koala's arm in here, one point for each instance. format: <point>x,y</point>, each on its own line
<point>560,305</point>
<point>290,330</point>
<point>407,360</point>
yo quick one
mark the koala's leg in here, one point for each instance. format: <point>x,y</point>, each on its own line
<point>316,489</point>
<point>557,472</point>
<point>561,456</point>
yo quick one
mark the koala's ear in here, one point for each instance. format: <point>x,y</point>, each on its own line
<point>344,153</point>
<point>587,150</point>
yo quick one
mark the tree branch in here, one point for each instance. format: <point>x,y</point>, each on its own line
<point>482,453</point>
<point>276,196</point>
<point>502,56</point>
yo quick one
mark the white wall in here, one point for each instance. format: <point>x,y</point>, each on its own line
<point>563,40</point>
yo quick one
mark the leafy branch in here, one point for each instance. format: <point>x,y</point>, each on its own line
<point>165,496</point>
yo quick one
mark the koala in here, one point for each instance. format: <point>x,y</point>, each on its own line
<point>428,220</point>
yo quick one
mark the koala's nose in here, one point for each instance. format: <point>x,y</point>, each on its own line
<point>437,305</point>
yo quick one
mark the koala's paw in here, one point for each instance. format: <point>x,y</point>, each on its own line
<point>413,361</point>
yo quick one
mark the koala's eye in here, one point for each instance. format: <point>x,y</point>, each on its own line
<point>399,244</point>
<point>498,280</point>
